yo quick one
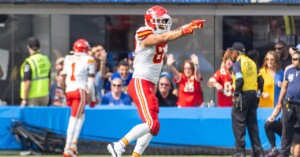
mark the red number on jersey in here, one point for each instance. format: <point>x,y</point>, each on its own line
<point>73,69</point>
<point>159,55</point>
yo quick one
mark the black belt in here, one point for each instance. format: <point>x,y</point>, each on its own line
<point>249,92</point>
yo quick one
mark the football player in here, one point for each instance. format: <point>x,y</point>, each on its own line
<point>79,71</point>
<point>151,46</point>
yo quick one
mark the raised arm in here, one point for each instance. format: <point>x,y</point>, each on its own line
<point>155,39</point>
<point>170,61</point>
<point>195,60</point>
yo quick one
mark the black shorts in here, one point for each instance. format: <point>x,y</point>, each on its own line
<point>296,138</point>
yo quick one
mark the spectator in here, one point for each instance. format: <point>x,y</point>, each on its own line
<point>292,50</point>
<point>124,74</point>
<point>57,91</point>
<point>151,45</point>
<point>164,91</point>
<point>222,81</point>
<point>130,61</point>
<point>283,54</point>
<point>273,126</point>
<point>189,82</point>
<point>100,55</point>
<point>273,77</point>
<point>254,55</point>
<point>290,93</point>
<point>116,96</point>
<point>79,71</point>
<point>35,76</point>
<point>244,112</point>
<point>59,64</point>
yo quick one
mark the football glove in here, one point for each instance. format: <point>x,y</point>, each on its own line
<point>189,28</point>
<point>94,103</point>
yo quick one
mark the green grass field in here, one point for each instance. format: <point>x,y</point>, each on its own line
<point>106,156</point>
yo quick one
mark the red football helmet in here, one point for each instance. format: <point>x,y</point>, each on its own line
<point>81,46</point>
<point>158,18</point>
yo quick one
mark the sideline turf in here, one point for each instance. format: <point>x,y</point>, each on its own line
<point>110,156</point>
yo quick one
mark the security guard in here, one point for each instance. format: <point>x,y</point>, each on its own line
<point>289,100</point>
<point>35,76</point>
<point>245,101</point>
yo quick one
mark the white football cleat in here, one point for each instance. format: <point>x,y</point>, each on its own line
<point>115,149</point>
<point>69,153</point>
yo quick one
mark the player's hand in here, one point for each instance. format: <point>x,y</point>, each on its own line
<point>198,24</point>
<point>189,28</point>
<point>170,59</point>
<point>93,104</point>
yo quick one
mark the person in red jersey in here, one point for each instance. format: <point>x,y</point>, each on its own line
<point>189,82</point>
<point>222,81</point>
<point>150,48</point>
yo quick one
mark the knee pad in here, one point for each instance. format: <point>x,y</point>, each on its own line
<point>155,128</point>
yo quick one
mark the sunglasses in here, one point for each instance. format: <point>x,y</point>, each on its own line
<point>116,85</point>
<point>295,59</point>
<point>164,84</point>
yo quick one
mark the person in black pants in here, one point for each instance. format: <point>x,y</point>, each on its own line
<point>290,93</point>
<point>273,126</point>
<point>244,113</point>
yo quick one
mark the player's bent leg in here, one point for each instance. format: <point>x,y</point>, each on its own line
<point>136,132</point>
<point>141,145</point>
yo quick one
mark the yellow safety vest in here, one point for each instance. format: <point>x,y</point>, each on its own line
<point>249,72</point>
<point>40,67</point>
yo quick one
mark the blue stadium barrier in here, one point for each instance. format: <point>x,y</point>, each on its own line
<point>179,126</point>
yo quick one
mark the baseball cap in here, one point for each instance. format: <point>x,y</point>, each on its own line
<point>238,47</point>
<point>294,49</point>
<point>166,74</point>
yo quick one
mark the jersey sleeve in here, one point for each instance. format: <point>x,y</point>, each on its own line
<point>217,76</point>
<point>143,32</point>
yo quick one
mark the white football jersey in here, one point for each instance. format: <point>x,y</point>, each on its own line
<point>77,67</point>
<point>148,61</point>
